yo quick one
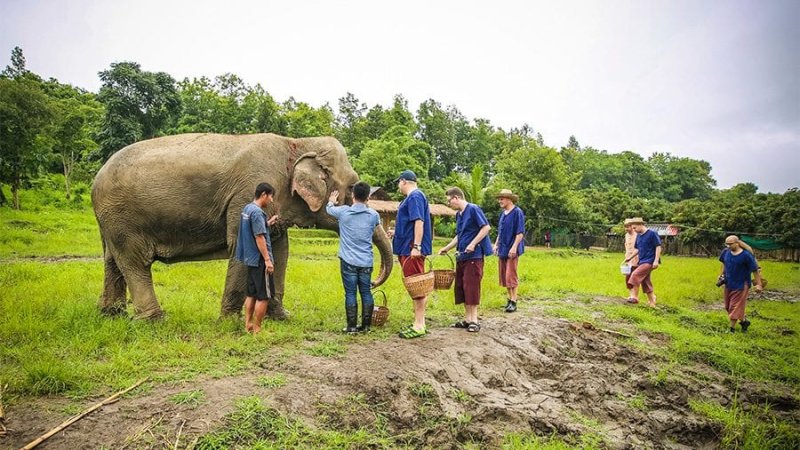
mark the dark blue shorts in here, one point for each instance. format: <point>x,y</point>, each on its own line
<point>257,280</point>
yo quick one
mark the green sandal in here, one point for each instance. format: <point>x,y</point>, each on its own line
<point>411,333</point>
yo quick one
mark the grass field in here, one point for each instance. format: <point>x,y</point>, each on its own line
<point>54,341</point>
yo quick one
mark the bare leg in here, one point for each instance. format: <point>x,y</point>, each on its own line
<point>249,307</point>
<point>419,313</point>
<point>634,292</point>
<point>651,299</point>
<point>471,312</point>
<point>512,294</point>
<point>260,312</point>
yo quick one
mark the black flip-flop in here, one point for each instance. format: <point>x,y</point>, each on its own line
<point>474,327</point>
<point>460,324</point>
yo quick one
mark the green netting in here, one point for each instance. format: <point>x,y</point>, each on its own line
<point>764,244</point>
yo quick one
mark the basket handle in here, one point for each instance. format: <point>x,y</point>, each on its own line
<point>430,264</point>
<point>452,264</point>
<point>380,291</point>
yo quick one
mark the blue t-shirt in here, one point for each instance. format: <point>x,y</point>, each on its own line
<point>468,225</point>
<point>252,222</point>
<point>412,208</point>
<point>357,223</point>
<point>646,243</point>
<point>510,226</point>
<point>738,268</point>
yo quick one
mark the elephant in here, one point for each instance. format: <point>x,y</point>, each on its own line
<point>179,198</point>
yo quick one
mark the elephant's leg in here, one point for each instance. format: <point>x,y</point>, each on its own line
<point>280,250</point>
<point>112,301</point>
<point>140,282</point>
<point>235,284</point>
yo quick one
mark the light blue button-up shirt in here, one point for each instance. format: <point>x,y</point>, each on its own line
<point>357,223</point>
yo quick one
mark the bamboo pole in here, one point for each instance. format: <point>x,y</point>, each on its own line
<point>76,418</point>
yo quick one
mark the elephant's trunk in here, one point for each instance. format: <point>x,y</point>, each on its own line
<point>384,245</point>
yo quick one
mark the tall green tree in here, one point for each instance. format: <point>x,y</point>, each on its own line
<point>26,114</point>
<point>138,105</point>
<point>383,159</point>
<point>303,120</point>
<point>682,178</point>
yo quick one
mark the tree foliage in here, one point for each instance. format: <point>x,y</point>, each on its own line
<point>138,105</point>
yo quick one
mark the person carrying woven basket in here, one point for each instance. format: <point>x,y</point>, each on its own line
<point>631,257</point>
<point>411,242</point>
<point>357,224</point>
<point>472,245</point>
<point>509,244</point>
<point>648,251</point>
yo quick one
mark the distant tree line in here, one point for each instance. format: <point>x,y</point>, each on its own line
<point>50,127</point>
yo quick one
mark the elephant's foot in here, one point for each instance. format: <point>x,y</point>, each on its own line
<point>276,311</point>
<point>113,310</point>
<point>150,314</point>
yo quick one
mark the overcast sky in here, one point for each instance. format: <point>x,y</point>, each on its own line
<point>711,80</point>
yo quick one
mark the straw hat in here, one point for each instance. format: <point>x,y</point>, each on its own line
<point>506,193</point>
<point>634,221</point>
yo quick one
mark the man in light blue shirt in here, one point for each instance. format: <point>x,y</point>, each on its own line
<point>357,224</point>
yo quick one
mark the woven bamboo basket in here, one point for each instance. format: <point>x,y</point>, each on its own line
<point>380,314</point>
<point>443,278</point>
<point>419,285</point>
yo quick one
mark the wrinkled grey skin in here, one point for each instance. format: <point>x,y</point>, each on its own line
<point>178,198</point>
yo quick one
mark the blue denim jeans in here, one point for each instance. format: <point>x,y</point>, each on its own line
<point>357,278</point>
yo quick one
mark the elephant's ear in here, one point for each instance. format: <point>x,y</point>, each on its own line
<point>308,180</point>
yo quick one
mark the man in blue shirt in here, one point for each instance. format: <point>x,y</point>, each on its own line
<point>472,245</point>
<point>648,249</point>
<point>737,265</point>
<point>412,241</point>
<point>357,224</point>
<point>254,249</point>
<point>509,244</point>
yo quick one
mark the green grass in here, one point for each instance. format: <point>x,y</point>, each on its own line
<point>752,429</point>
<point>191,398</point>
<point>272,382</point>
<point>54,341</point>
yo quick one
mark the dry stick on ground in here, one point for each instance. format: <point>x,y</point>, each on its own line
<point>74,419</point>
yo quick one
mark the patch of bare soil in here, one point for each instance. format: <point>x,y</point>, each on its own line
<point>519,374</point>
<point>755,298</point>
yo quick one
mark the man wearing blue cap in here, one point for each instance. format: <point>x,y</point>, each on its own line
<point>412,241</point>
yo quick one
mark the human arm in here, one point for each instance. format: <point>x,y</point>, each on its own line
<point>478,238</point>
<point>634,254</point>
<point>658,257</point>
<point>416,245</point>
<point>512,252</point>
<point>261,243</point>
<point>451,244</point>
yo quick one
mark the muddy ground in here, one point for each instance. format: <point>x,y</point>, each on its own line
<point>522,373</point>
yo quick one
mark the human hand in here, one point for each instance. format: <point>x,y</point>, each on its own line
<point>415,252</point>
<point>334,196</point>
<point>512,253</point>
<point>443,251</point>
<point>272,220</point>
<point>390,233</point>
<point>270,267</point>
<point>494,248</point>
<point>655,265</point>
<point>759,288</point>
<point>470,248</point>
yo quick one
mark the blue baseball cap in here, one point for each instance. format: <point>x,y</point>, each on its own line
<point>406,175</point>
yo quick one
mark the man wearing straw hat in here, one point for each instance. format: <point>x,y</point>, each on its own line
<point>412,241</point>
<point>630,249</point>
<point>472,244</point>
<point>648,250</point>
<point>509,244</point>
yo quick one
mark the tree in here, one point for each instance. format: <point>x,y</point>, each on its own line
<point>17,68</point>
<point>349,124</point>
<point>139,105</point>
<point>25,114</point>
<point>304,120</point>
<point>472,184</point>
<point>682,178</point>
<point>382,159</point>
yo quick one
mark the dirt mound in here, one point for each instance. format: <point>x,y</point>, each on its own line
<point>519,374</point>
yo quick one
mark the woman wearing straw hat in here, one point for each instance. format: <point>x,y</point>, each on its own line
<point>648,250</point>
<point>509,244</point>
